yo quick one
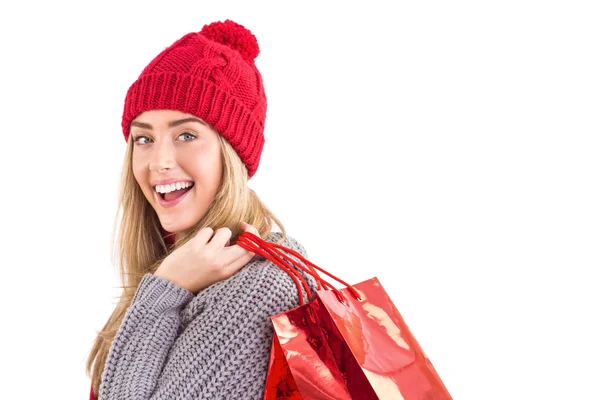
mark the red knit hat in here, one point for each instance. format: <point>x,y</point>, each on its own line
<point>210,74</point>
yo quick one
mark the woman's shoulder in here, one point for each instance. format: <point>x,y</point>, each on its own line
<point>263,269</point>
<point>270,280</point>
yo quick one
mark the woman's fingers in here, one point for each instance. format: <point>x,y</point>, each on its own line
<point>219,240</point>
<point>234,253</point>
<point>235,257</point>
<point>204,235</point>
<point>215,245</point>
<point>205,259</point>
<point>237,263</point>
<point>247,227</point>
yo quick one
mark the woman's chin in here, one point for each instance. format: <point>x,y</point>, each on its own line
<point>175,226</point>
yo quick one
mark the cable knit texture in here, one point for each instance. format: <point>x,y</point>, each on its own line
<point>215,345</point>
<point>210,74</point>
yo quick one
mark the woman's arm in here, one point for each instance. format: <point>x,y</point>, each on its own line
<point>143,340</point>
<point>222,350</point>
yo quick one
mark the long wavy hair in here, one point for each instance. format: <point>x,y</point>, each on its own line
<point>140,247</point>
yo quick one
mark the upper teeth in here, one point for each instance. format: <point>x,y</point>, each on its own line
<point>172,187</point>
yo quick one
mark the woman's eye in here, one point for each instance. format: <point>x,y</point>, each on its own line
<point>137,138</point>
<point>190,136</point>
<point>141,140</point>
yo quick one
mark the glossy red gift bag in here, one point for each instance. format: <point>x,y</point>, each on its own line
<point>342,344</point>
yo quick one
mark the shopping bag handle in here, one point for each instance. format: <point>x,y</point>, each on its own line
<point>276,253</point>
<point>315,275</point>
<point>267,252</point>
<point>259,246</point>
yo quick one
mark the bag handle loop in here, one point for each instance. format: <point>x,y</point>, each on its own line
<point>276,253</point>
<point>298,279</point>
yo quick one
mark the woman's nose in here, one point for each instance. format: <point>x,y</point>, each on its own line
<point>163,158</point>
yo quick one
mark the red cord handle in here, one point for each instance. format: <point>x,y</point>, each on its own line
<point>276,253</point>
<point>266,252</point>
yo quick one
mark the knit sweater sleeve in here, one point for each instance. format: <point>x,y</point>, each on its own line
<point>217,348</point>
<point>141,344</point>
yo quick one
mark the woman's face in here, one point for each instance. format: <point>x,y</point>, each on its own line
<point>174,150</point>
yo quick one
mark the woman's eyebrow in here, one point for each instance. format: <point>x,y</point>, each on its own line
<point>142,125</point>
<point>145,125</point>
<point>185,120</point>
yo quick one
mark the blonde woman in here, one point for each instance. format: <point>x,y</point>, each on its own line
<point>193,318</point>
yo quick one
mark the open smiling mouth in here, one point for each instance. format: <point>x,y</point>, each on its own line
<point>170,194</point>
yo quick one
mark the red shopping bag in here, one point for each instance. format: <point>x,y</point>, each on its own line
<point>342,344</point>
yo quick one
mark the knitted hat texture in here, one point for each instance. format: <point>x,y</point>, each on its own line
<point>210,74</point>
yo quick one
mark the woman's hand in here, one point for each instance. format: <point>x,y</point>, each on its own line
<point>203,261</point>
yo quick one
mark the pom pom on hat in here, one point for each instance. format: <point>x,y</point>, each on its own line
<point>233,35</point>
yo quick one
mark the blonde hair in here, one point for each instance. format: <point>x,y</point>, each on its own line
<point>141,247</point>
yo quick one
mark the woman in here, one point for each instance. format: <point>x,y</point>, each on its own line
<point>193,319</point>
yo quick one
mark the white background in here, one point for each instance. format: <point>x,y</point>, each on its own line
<point>448,148</point>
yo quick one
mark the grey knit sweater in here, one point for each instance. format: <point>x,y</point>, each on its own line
<point>214,345</point>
